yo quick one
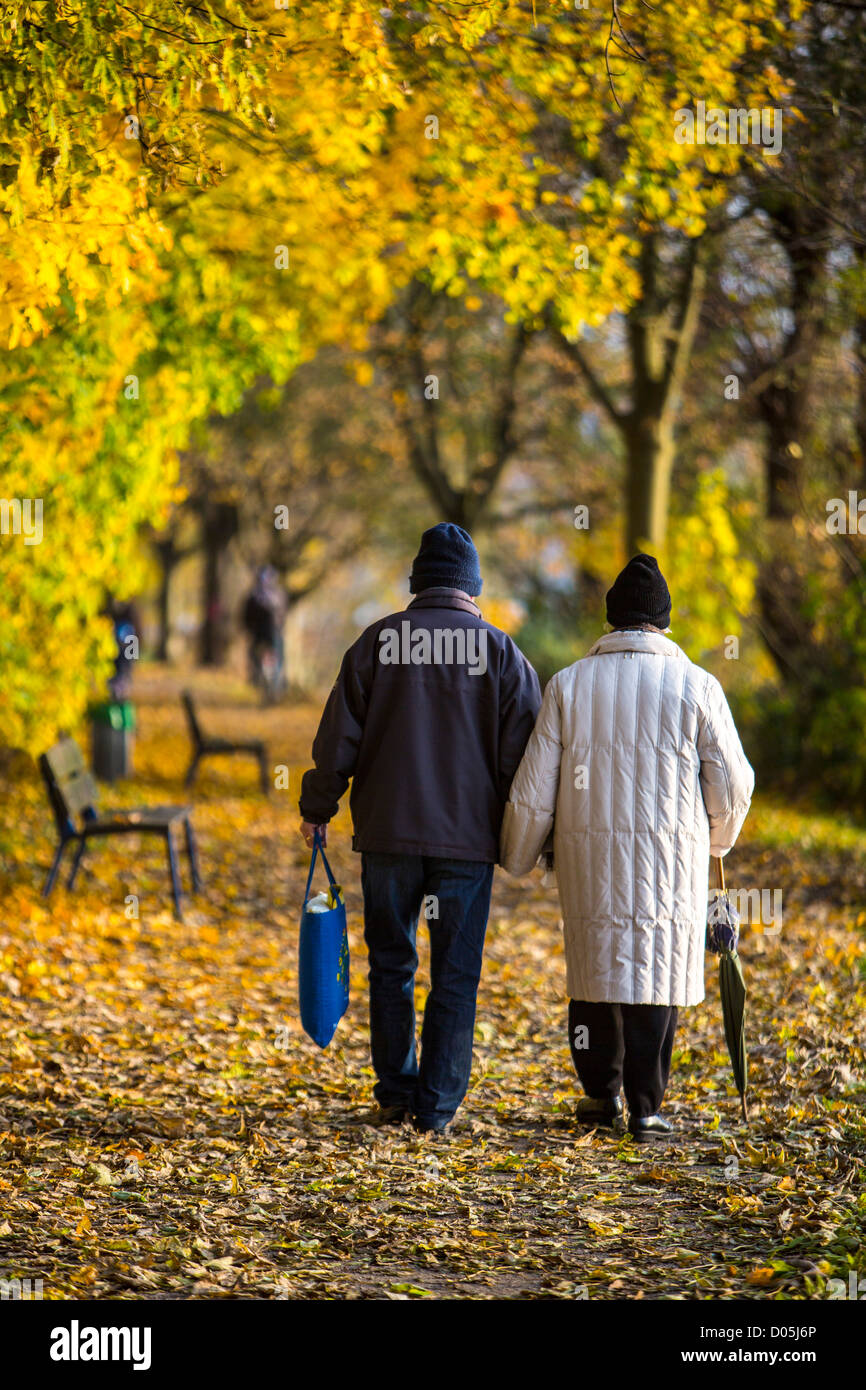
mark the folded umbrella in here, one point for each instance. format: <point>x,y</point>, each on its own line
<point>722,937</point>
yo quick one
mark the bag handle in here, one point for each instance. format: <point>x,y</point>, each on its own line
<point>719,871</point>
<point>318,849</point>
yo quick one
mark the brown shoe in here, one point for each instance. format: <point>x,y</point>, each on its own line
<point>382,1115</point>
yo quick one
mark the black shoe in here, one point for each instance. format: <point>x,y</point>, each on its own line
<point>425,1127</point>
<point>645,1128</point>
<point>594,1111</point>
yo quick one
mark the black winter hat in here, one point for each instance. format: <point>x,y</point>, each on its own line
<point>639,595</point>
<point>447,558</point>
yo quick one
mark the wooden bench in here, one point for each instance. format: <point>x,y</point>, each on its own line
<point>75,802</point>
<point>203,746</point>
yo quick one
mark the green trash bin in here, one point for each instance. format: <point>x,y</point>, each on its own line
<point>113,731</point>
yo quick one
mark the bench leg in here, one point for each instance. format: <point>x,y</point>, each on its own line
<point>192,769</point>
<point>175,876</point>
<point>192,855</point>
<point>50,881</point>
<point>79,855</point>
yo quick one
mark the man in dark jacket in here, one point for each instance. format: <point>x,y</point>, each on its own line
<point>429,716</point>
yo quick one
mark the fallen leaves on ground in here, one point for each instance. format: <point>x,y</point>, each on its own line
<point>168,1131</point>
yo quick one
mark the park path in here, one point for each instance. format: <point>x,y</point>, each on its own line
<point>167,1130</point>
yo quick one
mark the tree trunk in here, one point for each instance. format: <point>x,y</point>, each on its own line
<point>783,409</point>
<point>783,405</point>
<point>661,330</point>
<point>860,416</point>
<point>219,526</point>
<point>168,558</point>
<point>649,442</point>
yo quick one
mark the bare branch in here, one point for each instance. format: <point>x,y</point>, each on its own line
<point>597,389</point>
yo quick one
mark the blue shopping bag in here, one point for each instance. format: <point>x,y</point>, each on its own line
<point>323,958</point>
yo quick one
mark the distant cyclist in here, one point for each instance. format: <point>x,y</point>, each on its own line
<point>264,616</point>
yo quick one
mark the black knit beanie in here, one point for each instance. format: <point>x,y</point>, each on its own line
<point>447,559</point>
<point>639,595</point>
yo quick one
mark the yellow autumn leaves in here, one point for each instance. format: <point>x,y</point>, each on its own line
<point>189,206</point>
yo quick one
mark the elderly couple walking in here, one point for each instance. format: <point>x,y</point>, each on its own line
<point>631,760</point>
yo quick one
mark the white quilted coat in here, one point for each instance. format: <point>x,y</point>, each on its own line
<point>636,764</point>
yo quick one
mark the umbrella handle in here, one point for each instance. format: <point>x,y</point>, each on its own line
<point>719,871</point>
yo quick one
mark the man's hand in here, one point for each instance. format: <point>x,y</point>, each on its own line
<point>308,830</point>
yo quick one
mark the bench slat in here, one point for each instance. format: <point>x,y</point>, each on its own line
<point>73,782</point>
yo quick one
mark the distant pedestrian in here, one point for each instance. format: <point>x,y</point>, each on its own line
<point>127,634</point>
<point>264,617</point>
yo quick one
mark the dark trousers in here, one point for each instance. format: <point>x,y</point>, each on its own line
<point>625,1046</point>
<point>455,895</point>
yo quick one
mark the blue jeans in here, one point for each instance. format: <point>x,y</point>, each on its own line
<point>395,888</point>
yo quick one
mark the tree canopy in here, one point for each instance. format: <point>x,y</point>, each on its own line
<point>196,195</point>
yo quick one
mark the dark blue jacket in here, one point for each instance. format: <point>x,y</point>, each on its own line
<point>431,744</point>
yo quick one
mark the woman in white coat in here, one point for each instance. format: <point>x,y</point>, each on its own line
<point>636,765</point>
